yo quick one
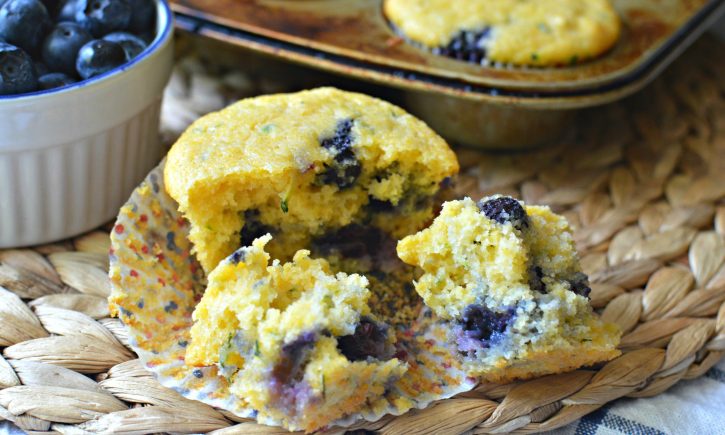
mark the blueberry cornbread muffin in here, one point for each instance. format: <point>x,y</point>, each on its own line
<point>301,166</point>
<point>518,32</point>
<point>507,278</point>
<point>296,341</point>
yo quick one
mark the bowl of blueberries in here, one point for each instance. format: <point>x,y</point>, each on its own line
<point>81,83</point>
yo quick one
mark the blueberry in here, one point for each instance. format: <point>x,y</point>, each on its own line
<point>17,72</point>
<point>24,23</point>
<point>54,80</point>
<point>51,6</point>
<point>99,56</point>
<point>483,324</point>
<point>579,284</point>
<point>342,139</point>
<point>143,17</point>
<point>61,46</point>
<point>345,169</point>
<point>238,256</point>
<point>505,209</point>
<point>369,340</point>
<point>132,44</point>
<point>101,17</point>
<point>67,11</point>
<point>467,45</point>
<point>41,69</point>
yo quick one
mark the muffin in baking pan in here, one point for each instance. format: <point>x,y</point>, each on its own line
<point>506,277</point>
<point>297,341</point>
<point>301,167</point>
<point>514,32</point>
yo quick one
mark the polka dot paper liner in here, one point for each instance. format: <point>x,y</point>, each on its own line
<point>157,283</point>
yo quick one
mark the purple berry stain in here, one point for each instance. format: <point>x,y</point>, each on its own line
<point>287,387</point>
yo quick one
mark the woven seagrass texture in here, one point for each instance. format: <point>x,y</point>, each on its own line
<point>642,181</point>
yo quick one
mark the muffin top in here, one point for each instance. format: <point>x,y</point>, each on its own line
<point>522,32</point>
<point>276,134</point>
<point>301,166</point>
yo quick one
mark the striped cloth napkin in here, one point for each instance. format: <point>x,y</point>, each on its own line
<point>694,407</point>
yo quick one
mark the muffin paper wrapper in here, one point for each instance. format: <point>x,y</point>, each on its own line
<point>157,283</point>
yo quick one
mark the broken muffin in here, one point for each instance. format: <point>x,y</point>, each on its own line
<point>298,342</point>
<point>506,278</point>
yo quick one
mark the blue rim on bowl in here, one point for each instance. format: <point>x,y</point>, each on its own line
<point>161,36</point>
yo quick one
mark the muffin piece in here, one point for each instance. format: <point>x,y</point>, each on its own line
<point>507,278</point>
<point>300,166</point>
<point>523,32</point>
<point>298,343</point>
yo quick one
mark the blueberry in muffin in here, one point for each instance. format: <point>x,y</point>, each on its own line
<point>295,340</point>
<point>507,279</point>
<point>523,32</point>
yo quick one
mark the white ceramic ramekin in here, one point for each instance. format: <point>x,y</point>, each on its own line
<point>70,157</point>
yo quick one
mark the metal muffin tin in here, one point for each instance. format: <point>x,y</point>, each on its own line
<point>353,37</point>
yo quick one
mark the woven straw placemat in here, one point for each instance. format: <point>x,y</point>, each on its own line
<point>643,181</point>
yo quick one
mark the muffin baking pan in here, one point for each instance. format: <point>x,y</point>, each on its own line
<point>353,37</point>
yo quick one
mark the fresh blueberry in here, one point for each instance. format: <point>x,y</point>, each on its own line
<point>346,168</point>
<point>51,6</point>
<point>369,340</point>
<point>132,44</point>
<point>41,69</point>
<point>67,10</point>
<point>99,56</point>
<point>505,209</point>
<point>54,80</point>
<point>17,72</point>
<point>24,24</point>
<point>143,17</point>
<point>483,324</point>
<point>60,48</point>
<point>101,17</point>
